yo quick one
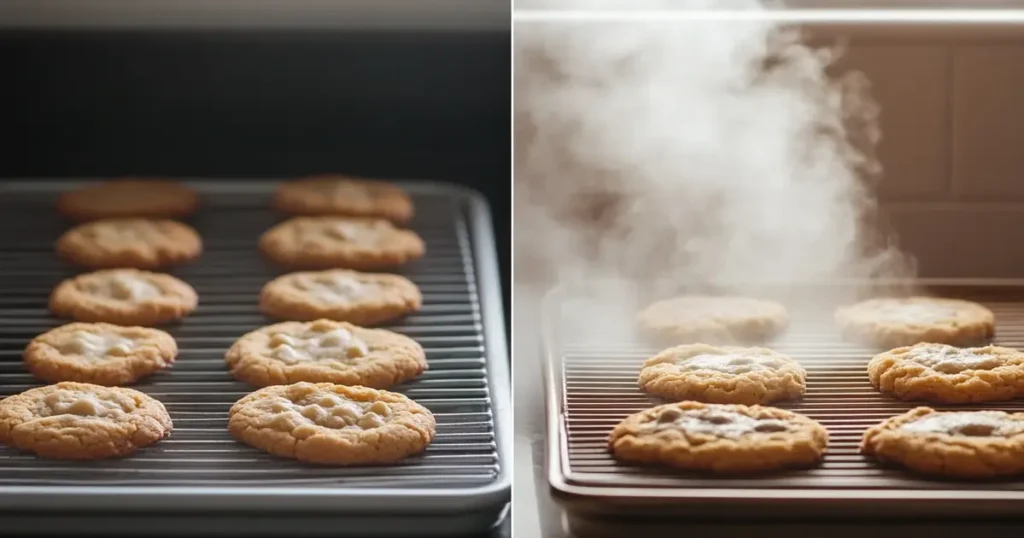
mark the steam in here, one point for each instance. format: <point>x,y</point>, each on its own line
<point>669,153</point>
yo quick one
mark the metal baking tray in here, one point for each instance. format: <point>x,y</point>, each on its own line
<point>200,478</point>
<point>591,386</point>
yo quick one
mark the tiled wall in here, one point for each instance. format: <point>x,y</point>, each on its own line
<point>953,149</point>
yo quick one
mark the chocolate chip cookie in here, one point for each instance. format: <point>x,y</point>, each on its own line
<point>99,353</point>
<point>943,373</point>
<point>123,297</point>
<point>325,351</point>
<point>340,242</point>
<point>728,439</point>
<point>79,421</point>
<point>713,319</point>
<point>332,424</point>
<point>341,195</point>
<point>340,295</point>
<point>905,321</point>
<point>138,243</point>
<point>151,198</point>
<point>962,444</point>
<point>738,375</point>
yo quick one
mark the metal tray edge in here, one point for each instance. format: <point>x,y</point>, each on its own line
<point>609,501</point>
<point>456,500</point>
<point>242,185</point>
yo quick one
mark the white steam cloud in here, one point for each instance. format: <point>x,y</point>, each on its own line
<point>710,153</point>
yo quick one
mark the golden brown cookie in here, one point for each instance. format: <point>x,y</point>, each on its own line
<point>332,424</point>
<point>341,195</point>
<point>738,375</point>
<point>943,373</point>
<point>150,198</point>
<point>962,444</point>
<point>138,243</point>
<point>719,438</point>
<point>325,351</point>
<point>79,421</point>
<point>713,319</point>
<point>340,295</point>
<point>340,242</point>
<point>99,353</point>
<point>896,322</point>
<point>123,297</point>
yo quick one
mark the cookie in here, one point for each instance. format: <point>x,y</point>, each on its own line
<point>138,243</point>
<point>719,438</point>
<point>79,421</point>
<point>713,319</point>
<point>340,295</point>
<point>99,353</point>
<point>711,374</point>
<point>340,242</point>
<point>340,195</point>
<point>943,373</point>
<point>151,198</point>
<point>961,444</point>
<point>332,424</point>
<point>325,351</point>
<point>897,322</point>
<point>123,297</point>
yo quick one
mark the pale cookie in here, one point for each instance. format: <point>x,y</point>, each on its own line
<point>737,375</point>
<point>962,444</point>
<point>138,243</point>
<point>340,242</point>
<point>332,424</point>
<point>123,297</point>
<point>79,421</point>
<point>325,351</point>
<point>713,319</point>
<point>719,438</point>
<point>151,198</point>
<point>896,322</point>
<point>99,353</point>
<point>340,195</point>
<point>340,295</point>
<point>942,373</point>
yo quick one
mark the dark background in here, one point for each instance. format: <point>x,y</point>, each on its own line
<point>399,104</point>
<point>244,103</point>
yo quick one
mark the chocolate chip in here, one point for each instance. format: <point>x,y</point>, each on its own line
<point>671,414</point>
<point>976,430</point>
<point>770,427</point>
<point>717,419</point>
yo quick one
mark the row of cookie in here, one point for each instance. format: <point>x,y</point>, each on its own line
<point>733,439</point>
<point>319,423</point>
<point>754,375</point>
<point>135,230</point>
<point>378,370</point>
<point>132,226</point>
<point>137,297</point>
<point>882,322</point>
<point>299,365</point>
<point>163,199</point>
<point>321,351</point>
<point>300,242</point>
